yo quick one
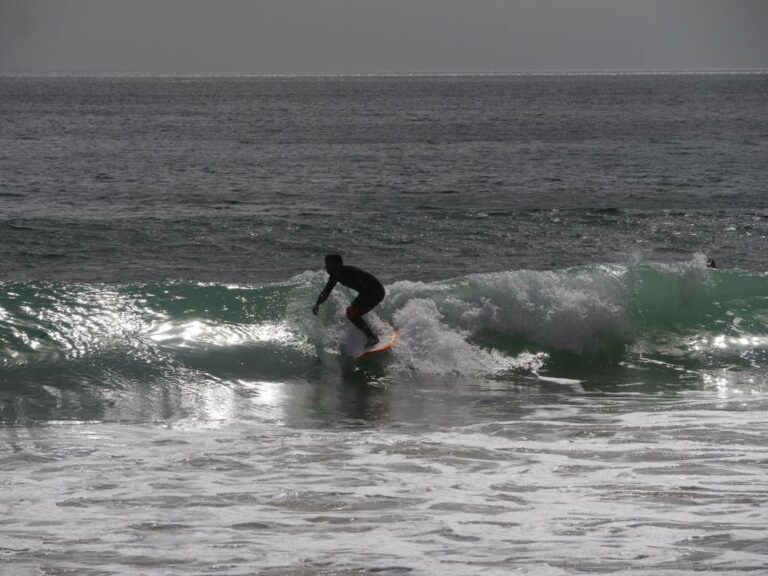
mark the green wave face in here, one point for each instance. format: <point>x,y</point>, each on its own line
<point>624,321</point>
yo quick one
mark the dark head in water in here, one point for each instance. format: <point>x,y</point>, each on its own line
<point>333,263</point>
<point>711,263</point>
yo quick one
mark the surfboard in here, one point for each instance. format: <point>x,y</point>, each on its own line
<point>381,347</point>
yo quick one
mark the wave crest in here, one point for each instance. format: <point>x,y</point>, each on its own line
<point>485,324</point>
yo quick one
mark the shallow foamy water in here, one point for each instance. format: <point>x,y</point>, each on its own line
<point>467,478</point>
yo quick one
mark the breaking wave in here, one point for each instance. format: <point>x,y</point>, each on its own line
<point>58,337</point>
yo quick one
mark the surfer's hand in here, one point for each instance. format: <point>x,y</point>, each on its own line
<point>315,309</point>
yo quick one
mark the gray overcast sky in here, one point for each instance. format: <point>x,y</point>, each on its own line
<point>361,36</point>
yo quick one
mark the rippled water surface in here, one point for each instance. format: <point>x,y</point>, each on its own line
<point>574,390</point>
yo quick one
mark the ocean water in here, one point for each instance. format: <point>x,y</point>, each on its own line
<point>574,390</point>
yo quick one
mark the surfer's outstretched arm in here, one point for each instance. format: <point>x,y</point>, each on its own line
<point>324,294</point>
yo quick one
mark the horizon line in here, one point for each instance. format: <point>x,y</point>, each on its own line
<point>425,74</point>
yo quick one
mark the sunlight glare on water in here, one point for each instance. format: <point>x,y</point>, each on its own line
<point>195,333</point>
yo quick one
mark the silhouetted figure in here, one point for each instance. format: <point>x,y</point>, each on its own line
<point>369,290</point>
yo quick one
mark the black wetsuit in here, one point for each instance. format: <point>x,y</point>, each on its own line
<point>369,290</point>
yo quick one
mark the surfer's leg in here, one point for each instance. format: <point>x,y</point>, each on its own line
<point>362,325</point>
<point>355,314</point>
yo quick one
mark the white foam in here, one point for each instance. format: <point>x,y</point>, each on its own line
<point>566,310</point>
<point>428,344</point>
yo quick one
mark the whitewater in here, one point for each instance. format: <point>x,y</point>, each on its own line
<point>574,391</point>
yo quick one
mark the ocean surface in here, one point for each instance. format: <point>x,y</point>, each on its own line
<point>574,390</point>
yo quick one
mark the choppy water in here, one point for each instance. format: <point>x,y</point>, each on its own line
<point>574,390</point>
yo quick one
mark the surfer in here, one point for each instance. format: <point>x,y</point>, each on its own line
<point>369,290</point>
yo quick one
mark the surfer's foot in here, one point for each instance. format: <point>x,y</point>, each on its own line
<point>372,341</point>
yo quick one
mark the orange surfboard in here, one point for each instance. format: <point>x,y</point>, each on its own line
<point>382,347</point>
